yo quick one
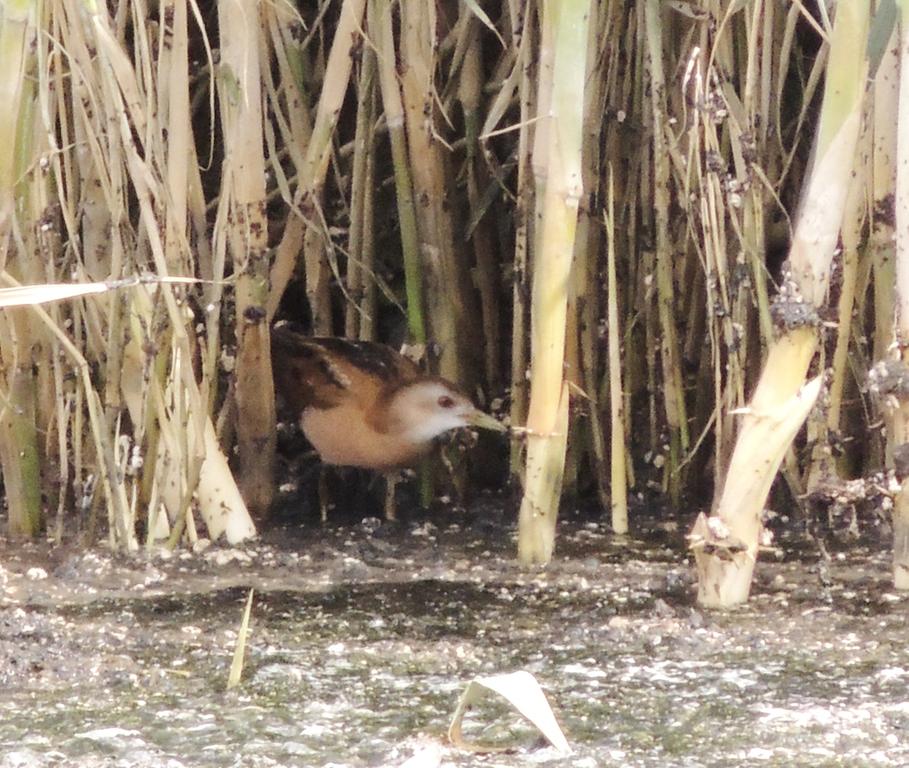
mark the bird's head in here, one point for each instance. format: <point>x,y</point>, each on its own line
<point>424,409</point>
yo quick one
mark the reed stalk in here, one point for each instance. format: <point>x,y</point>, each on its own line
<point>673,393</point>
<point>584,305</point>
<point>18,447</point>
<point>822,467</point>
<point>19,454</point>
<point>726,546</point>
<point>618,453</point>
<point>381,23</point>
<point>304,215</point>
<point>450,302</point>
<point>588,247</point>
<point>360,281</point>
<point>522,18</point>
<point>112,164</point>
<point>16,31</point>
<point>482,234</point>
<point>119,204</point>
<point>900,421</point>
<point>559,177</point>
<point>243,224</point>
<point>882,236</point>
<point>370,302</point>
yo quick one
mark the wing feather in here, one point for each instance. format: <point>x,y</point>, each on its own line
<point>325,372</point>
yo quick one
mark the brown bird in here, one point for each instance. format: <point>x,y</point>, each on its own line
<point>361,404</point>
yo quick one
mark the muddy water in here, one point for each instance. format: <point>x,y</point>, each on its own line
<point>364,636</point>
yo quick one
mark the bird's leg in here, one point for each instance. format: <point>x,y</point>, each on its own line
<point>324,494</point>
<point>391,482</point>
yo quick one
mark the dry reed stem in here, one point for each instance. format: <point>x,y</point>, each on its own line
<point>557,166</point>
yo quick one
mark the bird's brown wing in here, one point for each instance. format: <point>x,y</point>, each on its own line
<point>324,372</point>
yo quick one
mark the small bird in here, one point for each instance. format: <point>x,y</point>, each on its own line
<point>361,404</point>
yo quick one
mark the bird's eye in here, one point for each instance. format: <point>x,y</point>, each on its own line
<point>446,402</point>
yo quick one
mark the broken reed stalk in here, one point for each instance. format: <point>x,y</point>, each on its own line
<point>559,178</point>
<point>190,469</point>
<point>726,545</point>
<point>235,675</point>
<point>176,420</point>
<point>178,407</point>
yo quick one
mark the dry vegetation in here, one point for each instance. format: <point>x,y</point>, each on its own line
<point>584,201</point>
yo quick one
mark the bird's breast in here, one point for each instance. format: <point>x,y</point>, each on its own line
<point>343,437</point>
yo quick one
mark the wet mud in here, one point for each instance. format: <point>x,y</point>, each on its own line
<point>364,635</point>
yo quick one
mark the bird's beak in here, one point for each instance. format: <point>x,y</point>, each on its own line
<point>485,421</point>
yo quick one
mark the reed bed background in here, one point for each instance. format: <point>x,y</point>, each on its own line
<point>577,203</point>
